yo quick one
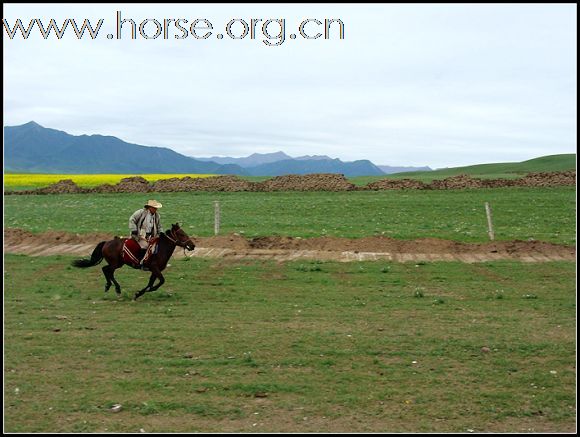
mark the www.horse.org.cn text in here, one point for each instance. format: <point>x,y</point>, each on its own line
<point>271,31</point>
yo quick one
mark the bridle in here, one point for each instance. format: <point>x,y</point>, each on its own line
<point>172,237</point>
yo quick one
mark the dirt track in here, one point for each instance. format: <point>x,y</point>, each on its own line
<point>321,248</point>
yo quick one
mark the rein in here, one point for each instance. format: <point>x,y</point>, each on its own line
<point>173,240</point>
<point>176,241</point>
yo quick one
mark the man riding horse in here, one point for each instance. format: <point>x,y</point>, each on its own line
<point>144,225</point>
<point>113,252</point>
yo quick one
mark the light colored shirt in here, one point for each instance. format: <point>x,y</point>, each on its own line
<point>144,222</point>
<point>148,223</point>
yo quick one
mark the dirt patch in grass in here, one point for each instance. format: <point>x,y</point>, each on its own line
<point>20,236</point>
<point>386,244</point>
<point>333,244</point>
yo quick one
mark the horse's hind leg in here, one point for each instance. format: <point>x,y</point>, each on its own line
<point>110,275</point>
<point>117,285</point>
<point>106,269</point>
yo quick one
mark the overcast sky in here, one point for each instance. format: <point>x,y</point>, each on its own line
<point>424,84</point>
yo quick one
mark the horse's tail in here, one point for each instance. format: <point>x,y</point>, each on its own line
<point>96,257</point>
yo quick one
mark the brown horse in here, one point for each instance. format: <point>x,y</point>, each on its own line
<point>112,252</point>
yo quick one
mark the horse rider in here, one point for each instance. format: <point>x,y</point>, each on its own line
<point>145,224</point>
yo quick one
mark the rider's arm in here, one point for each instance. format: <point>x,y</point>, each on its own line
<point>133,221</point>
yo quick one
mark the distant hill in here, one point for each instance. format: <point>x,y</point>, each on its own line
<point>32,148</point>
<point>249,161</point>
<point>293,166</point>
<point>279,163</point>
<point>312,157</point>
<point>387,169</point>
<point>547,163</point>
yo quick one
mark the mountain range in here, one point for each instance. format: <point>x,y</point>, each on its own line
<point>32,148</point>
<point>36,149</point>
<point>270,164</point>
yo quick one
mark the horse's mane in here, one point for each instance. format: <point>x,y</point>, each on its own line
<point>168,231</point>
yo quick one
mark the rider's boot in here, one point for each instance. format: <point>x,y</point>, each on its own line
<point>141,257</point>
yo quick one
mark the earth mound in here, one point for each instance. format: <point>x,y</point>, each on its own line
<point>310,182</point>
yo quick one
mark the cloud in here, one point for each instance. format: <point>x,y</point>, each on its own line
<point>438,85</point>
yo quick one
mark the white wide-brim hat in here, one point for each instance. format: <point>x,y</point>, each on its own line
<point>154,204</point>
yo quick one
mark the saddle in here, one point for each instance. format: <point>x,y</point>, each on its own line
<point>132,252</point>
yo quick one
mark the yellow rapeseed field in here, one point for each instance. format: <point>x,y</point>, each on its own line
<point>29,180</point>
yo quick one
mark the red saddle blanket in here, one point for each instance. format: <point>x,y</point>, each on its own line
<point>132,252</point>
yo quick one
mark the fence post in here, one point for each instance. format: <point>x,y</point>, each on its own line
<point>217,217</point>
<point>489,222</point>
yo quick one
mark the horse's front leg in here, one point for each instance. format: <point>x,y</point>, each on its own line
<point>161,282</point>
<point>148,288</point>
<point>155,273</point>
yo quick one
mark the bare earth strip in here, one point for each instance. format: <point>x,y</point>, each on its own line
<point>18,241</point>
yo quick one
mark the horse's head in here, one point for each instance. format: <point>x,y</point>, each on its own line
<point>180,237</point>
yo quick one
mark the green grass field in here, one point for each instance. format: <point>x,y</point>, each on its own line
<point>253,346</point>
<point>260,346</point>
<point>429,176</point>
<point>546,214</point>
<point>503,170</point>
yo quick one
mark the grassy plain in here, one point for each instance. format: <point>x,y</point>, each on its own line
<point>501,170</point>
<point>546,214</point>
<point>251,346</point>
